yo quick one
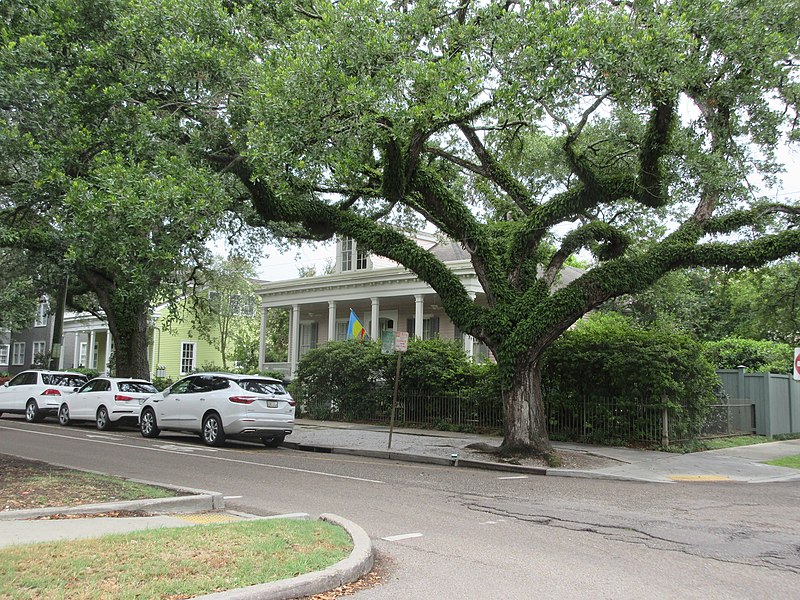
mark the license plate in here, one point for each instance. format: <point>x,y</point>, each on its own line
<point>272,404</point>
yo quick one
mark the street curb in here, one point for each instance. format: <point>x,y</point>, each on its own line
<point>355,566</point>
<point>416,458</point>
<point>154,506</point>
<point>467,463</point>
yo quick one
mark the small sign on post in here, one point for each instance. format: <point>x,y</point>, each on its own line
<point>400,346</point>
<point>387,342</point>
<point>796,370</point>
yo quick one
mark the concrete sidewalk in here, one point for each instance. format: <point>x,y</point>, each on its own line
<point>743,464</point>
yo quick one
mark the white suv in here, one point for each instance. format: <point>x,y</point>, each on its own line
<point>218,405</point>
<point>106,401</point>
<point>38,393</point>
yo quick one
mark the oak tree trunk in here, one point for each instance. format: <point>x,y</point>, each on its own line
<point>525,420</point>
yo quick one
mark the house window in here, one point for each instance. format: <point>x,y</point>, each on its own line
<point>430,327</point>
<point>188,357</point>
<point>4,348</point>
<point>18,353</point>
<point>38,352</point>
<point>341,329</point>
<point>82,354</point>
<point>308,337</point>
<point>351,256</point>
<point>361,260</point>
<point>347,254</point>
<point>41,315</point>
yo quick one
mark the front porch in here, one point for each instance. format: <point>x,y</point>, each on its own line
<point>383,300</point>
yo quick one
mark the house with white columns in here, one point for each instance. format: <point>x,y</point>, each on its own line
<point>384,296</point>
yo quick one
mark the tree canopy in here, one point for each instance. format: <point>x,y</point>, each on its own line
<point>95,180</point>
<point>528,131</point>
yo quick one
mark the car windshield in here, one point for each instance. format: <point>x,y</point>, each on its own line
<point>140,387</point>
<point>63,379</point>
<point>259,386</point>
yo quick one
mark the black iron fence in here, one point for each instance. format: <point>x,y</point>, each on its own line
<point>593,420</point>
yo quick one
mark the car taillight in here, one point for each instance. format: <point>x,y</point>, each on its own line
<point>121,398</point>
<point>243,399</point>
<point>51,392</point>
<point>292,403</point>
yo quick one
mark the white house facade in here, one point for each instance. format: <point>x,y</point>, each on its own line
<point>383,295</point>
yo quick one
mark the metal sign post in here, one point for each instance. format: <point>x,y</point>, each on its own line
<point>400,346</point>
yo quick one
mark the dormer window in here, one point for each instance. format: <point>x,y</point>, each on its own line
<point>350,257</point>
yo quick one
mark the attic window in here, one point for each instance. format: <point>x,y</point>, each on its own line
<point>350,254</point>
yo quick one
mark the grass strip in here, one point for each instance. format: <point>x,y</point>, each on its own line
<point>793,462</point>
<point>31,488</point>
<point>171,563</point>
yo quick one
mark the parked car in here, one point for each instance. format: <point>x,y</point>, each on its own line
<point>106,401</point>
<point>38,394</point>
<point>221,405</point>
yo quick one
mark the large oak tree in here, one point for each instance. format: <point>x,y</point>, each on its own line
<point>528,131</point>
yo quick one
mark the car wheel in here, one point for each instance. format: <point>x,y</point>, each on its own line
<point>213,434</point>
<point>272,441</point>
<point>32,412</point>
<point>103,422</point>
<point>147,424</point>
<point>63,415</point>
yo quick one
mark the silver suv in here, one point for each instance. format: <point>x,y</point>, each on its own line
<point>38,393</point>
<point>220,405</point>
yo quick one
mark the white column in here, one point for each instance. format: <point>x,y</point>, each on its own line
<point>331,320</point>
<point>75,354</point>
<point>468,339</point>
<point>262,338</point>
<point>63,351</point>
<point>90,351</point>
<point>418,302</point>
<point>108,350</point>
<point>376,315</point>
<point>154,362</point>
<point>294,339</point>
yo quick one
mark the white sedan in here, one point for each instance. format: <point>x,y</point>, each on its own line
<point>106,401</point>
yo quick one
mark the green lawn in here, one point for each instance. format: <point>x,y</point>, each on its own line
<point>172,563</point>
<point>793,462</point>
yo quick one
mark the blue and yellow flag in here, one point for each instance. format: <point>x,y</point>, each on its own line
<point>355,329</point>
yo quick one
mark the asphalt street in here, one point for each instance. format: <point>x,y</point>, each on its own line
<point>465,533</point>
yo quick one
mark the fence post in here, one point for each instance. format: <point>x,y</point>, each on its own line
<point>665,427</point>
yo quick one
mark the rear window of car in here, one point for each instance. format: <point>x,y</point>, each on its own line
<point>63,380</point>
<point>134,387</point>
<point>258,386</point>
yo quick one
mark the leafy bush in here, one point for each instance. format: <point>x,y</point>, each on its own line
<point>756,355</point>
<point>352,380</point>
<point>340,377</point>
<point>612,372</point>
<point>90,373</point>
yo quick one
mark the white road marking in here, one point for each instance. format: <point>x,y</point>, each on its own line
<point>231,497</point>
<point>103,436</point>
<point>184,448</point>
<point>515,477</point>
<point>182,453</point>
<point>404,536</point>
<point>492,522</point>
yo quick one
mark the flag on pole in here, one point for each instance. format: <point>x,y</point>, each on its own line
<point>355,329</point>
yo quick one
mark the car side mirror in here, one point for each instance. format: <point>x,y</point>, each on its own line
<point>5,384</point>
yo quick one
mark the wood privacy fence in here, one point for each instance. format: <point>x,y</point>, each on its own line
<point>775,399</point>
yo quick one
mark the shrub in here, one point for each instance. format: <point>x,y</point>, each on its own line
<point>90,373</point>
<point>756,355</point>
<point>352,380</point>
<point>619,369</point>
